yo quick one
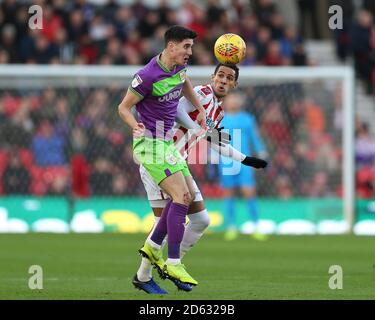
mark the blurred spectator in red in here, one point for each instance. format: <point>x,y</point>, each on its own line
<point>274,127</point>
<point>51,23</point>
<point>273,55</point>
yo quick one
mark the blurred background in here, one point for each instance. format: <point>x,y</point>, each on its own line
<point>65,156</point>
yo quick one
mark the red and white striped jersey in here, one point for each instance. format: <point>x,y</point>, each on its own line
<point>183,139</point>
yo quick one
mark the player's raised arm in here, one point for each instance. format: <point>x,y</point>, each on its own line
<point>124,110</point>
<point>228,151</point>
<point>189,93</point>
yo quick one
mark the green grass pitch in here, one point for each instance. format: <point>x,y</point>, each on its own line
<point>100,266</point>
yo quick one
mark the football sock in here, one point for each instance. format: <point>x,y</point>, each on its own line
<point>144,272</point>
<point>161,228</point>
<point>176,227</point>
<point>198,222</point>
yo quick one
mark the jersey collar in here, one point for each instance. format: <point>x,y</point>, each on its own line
<point>161,65</point>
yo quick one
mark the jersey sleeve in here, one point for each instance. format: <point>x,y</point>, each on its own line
<point>141,84</point>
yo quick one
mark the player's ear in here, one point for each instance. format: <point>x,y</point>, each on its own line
<point>235,84</point>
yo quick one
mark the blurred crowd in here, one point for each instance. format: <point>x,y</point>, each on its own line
<point>71,141</point>
<point>79,32</point>
<point>357,39</point>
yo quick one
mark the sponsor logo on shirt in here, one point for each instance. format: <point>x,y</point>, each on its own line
<point>170,96</point>
<point>210,124</point>
<point>137,80</point>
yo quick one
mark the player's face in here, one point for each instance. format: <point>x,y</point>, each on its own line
<point>182,51</point>
<point>223,81</point>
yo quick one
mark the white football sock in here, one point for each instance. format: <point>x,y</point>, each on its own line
<point>198,223</point>
<point>144,272</point>
<point>173,261</point>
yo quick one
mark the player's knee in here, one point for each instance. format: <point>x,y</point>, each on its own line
<point>200,220</point>
<point>187,198</point>
<point>205,221</point>
<point>192,196</point>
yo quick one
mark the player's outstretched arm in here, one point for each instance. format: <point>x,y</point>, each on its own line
<point>228,151</point>
<point>189,93</point>
<point>124,110</point>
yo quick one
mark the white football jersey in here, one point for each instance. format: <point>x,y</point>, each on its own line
<point>183,139</point>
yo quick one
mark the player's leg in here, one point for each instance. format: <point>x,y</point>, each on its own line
<point>198,220</point>
<point>175,226</point>
<point>143,279</point>
<point>167,171</point>
<point>144,272</point>
<point>164,164</point>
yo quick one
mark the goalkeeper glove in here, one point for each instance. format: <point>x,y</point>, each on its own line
<point>218,137</point>
<point>254,162</point>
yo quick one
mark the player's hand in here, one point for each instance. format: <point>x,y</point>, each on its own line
<point>139,130</point>
<point>218,137</point>
<point>201,119</point>
<point>254,162</point>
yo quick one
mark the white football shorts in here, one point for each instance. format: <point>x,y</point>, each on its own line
<point>157,197</point>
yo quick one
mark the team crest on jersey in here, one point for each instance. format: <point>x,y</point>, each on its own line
<point>183,75</point>
<point>201,93</point>
<point>136,81</point>
<point>206,91</point>
<point>171,159</point>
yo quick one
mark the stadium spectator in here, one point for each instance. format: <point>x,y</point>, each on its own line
<point>48,147</point>
<point>16,178</point>
<point>361,46</point>
<point>364,146</point>
<point>101,177</point>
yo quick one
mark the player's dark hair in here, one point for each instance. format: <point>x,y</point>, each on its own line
<point>232,66</point>
<point>178,34</point>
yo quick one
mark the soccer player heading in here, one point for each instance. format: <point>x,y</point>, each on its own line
<point>155,92</point>
<point>211,96</point>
